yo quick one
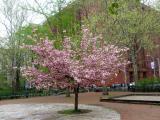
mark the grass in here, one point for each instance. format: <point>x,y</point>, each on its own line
<point>72,112</point>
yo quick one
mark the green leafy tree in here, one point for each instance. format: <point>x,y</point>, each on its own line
<point>128,23</point>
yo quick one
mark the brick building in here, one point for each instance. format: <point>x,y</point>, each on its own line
<point>148,62</point>
<point>148,66</point>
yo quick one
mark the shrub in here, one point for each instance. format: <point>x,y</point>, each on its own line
<point>148,85</point>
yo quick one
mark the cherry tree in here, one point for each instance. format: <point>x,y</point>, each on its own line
<point>94,62</point>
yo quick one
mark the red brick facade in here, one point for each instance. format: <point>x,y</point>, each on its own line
<point>144,66</point>
<point>144,58</point>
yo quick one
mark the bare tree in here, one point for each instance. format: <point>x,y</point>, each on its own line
<point>47,9</point>
<point>14,19</point>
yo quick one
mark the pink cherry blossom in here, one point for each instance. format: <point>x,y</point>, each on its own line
<point>97,63</point>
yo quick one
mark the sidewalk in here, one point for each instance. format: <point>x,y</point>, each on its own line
<point>127,111</point>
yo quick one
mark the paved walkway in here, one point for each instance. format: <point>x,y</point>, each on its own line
<point>49,112</point>
<point>127,111</point>
<point>140,98</point>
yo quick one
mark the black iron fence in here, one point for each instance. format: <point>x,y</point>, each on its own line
<point>26,93</point>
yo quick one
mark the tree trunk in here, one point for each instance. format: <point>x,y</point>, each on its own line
<point>76,91</point>
<point>17,84</point>
<point>135,67</point>
<point>17,75</point>
<point>68,92</point>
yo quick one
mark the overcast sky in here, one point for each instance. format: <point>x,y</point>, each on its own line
<point>32,16</point>
<point>36,18</point>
